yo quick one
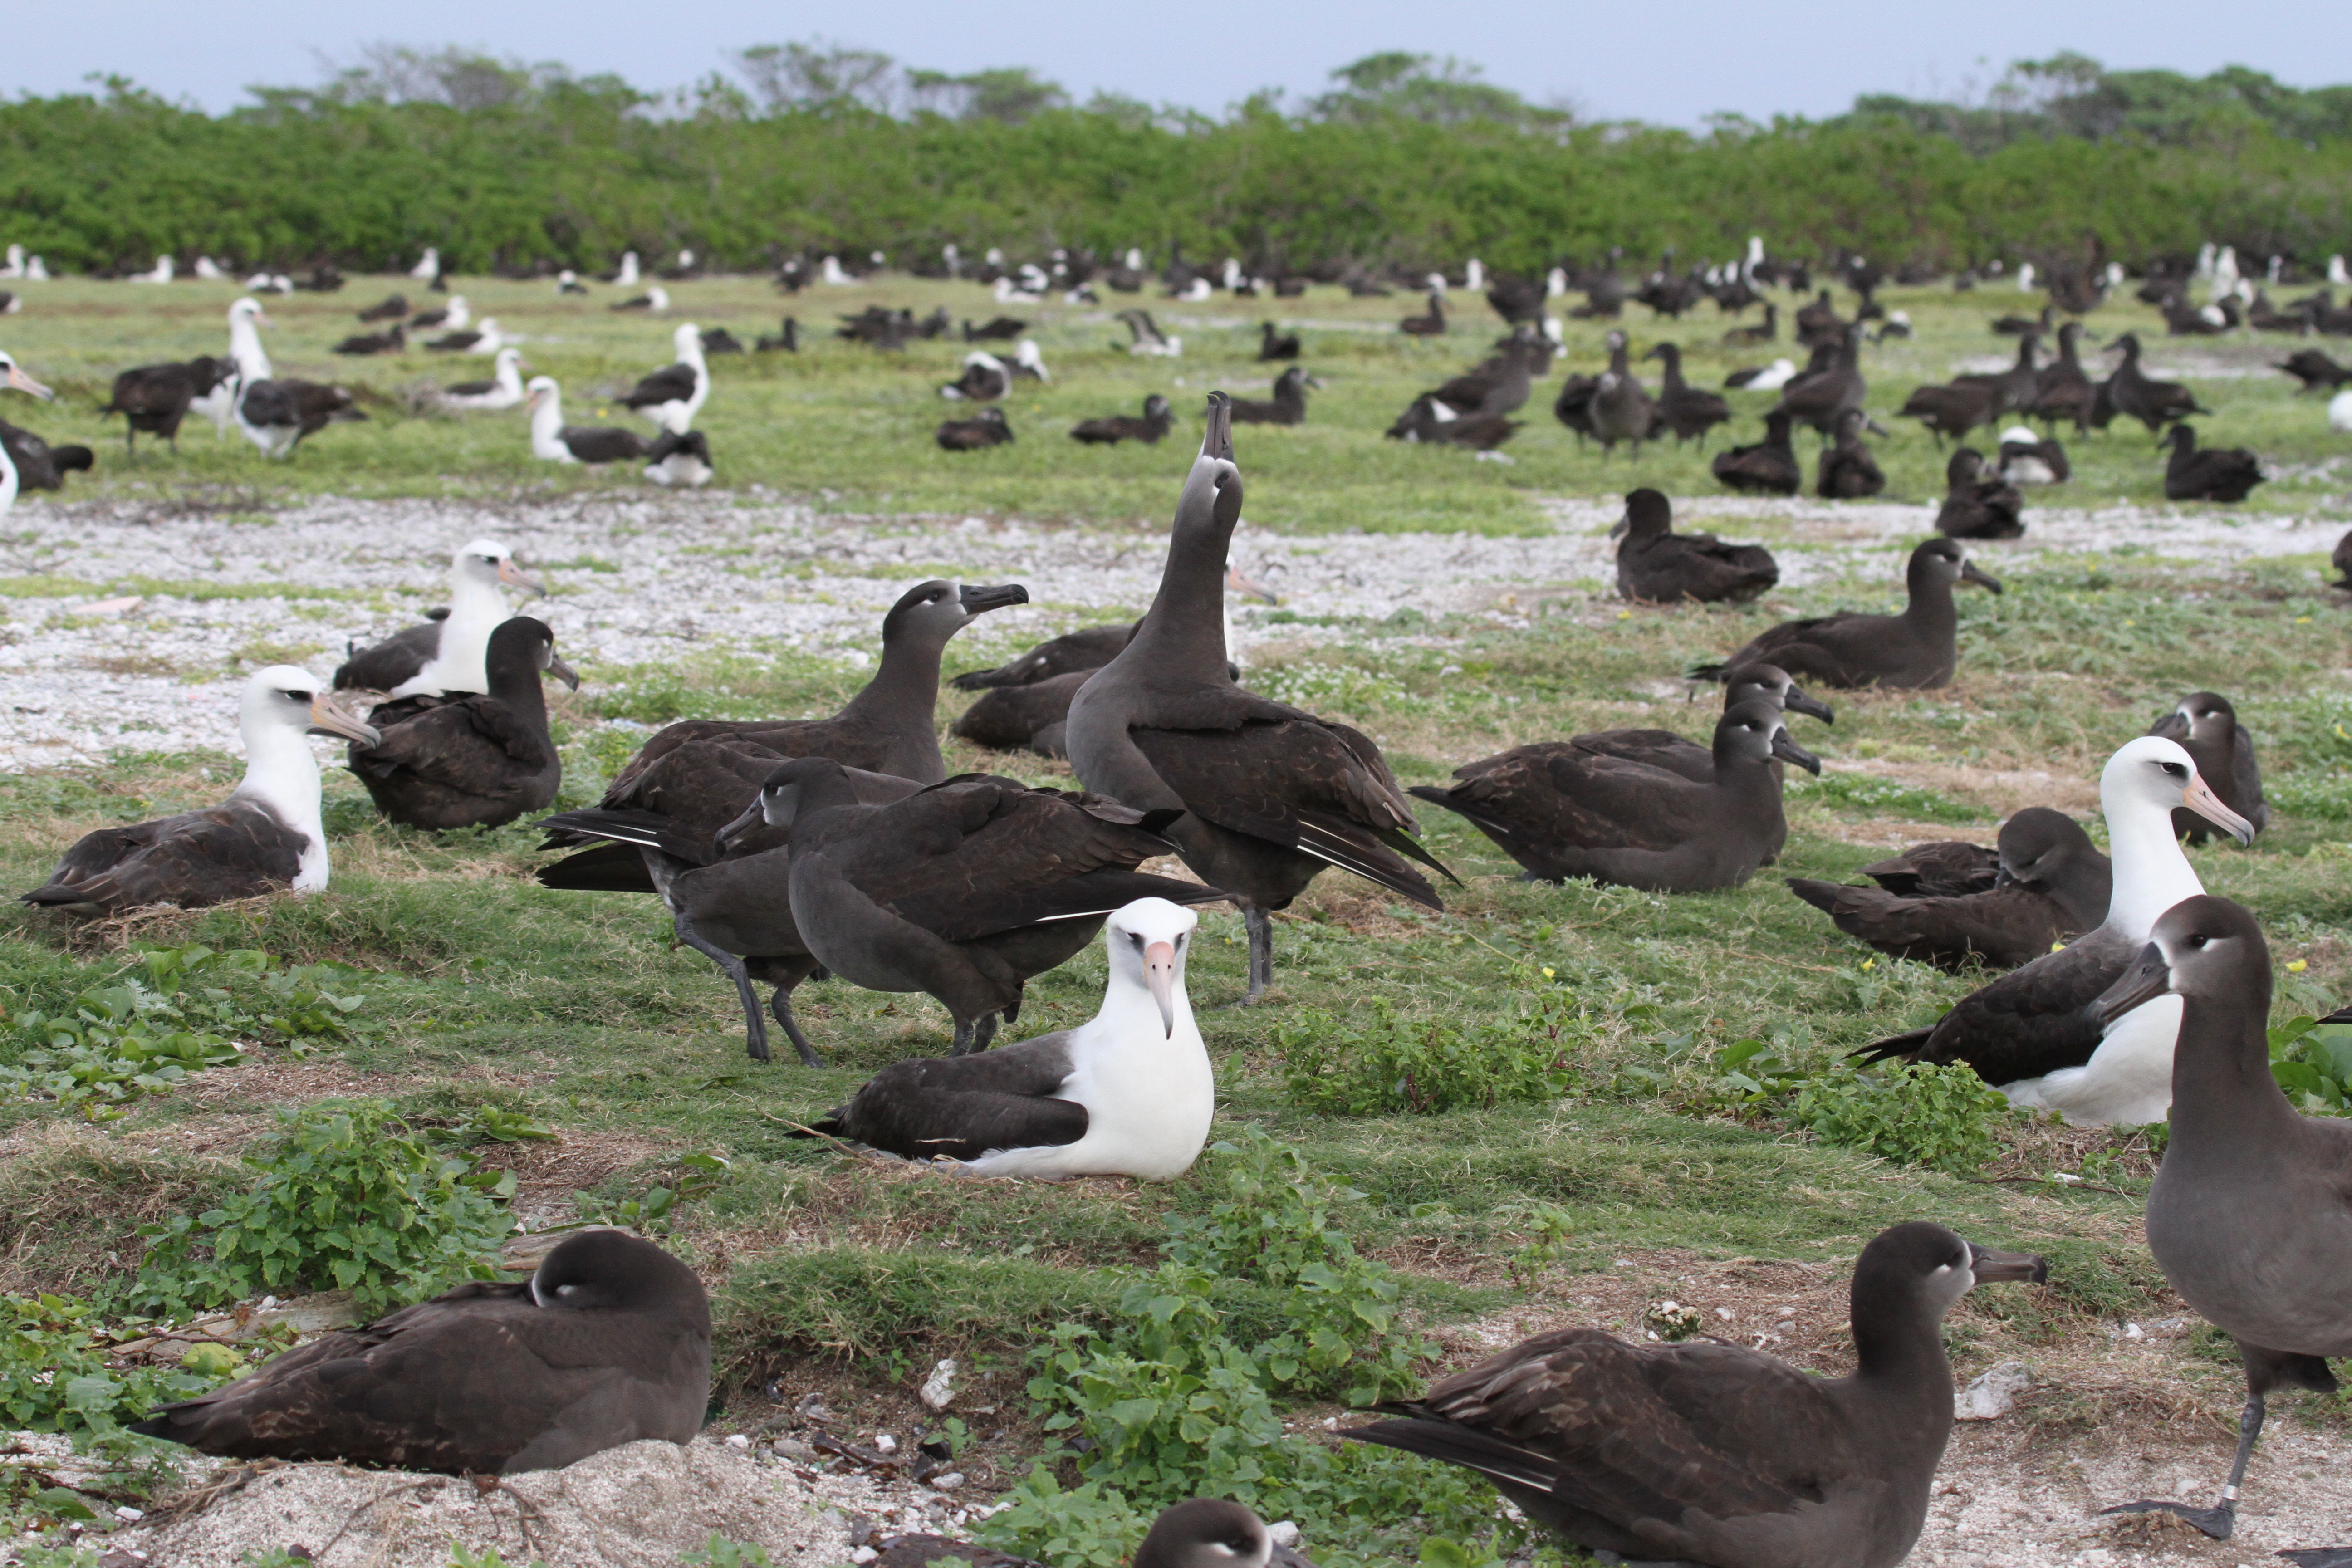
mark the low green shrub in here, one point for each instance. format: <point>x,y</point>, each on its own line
<point>54,1375</point>
<point>1374,1063</point>
<point>348,1197</point>
<point>2312,1062</point>
<point>173,1011</point>
<point>1940,1115</point>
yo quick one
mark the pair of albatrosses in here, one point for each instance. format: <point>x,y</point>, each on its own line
<point>448,652</point>
<point>1708,1453</point>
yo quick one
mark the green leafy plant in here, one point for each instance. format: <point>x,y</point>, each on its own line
<point>1940,1115</point>
<point>54,1376</point>
<point>720,1552</point>
<point>176,1011</point>
<point>652,1212</point>
<point>1374,1063</point>
<point>348,1197</point>
<point>2312,1062</point>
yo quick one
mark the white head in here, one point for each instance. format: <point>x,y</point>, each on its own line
<point>13,376</point>
<point>659,296</point>
<point>688,340</point>
<point>2020,435</point>
<point>543,390</point>
<point>1149,941</point>
<point>1024,354</point>
<point>246,312</point>
<point>510,362</point>
<point>285,698</point>
<point>487,562</point>
<point>2153,774</point>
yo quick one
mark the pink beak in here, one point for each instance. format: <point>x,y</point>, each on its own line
<point>1160,974</point>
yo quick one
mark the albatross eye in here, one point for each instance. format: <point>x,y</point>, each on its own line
<point>2175,769</point>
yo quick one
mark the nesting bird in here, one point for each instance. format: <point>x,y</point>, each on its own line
<point>1917,650</point>
<point>1659,566</point>
<point>447,654</point>
<point>472,759</point>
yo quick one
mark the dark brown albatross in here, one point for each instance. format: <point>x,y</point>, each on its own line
<point>1270,795</point>
<point>608,1343</point>
<point>1706,1453</point>
<point>473,759</point>
<point>1915,650</point>
<point>1659,566</point>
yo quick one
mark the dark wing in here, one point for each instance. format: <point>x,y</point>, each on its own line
<point>470,389</point>
<point>964,1107</point>
<point>477,744</point>
<point>979,854</point>
<point>1562,795</point>
<point>234,850</point>
<point>1258,768</point>
<point>1630,1434</point>
<point>398,658</point>
<point>1009,718</point>
<point>2006,926</point>
<point>1946,869</point>
<point>673,383</point>
<point>2248,776</point>
<point>2030,1021</point>
<point>601,445</point>
<point>1657,748</point>
<point>1088,648</point>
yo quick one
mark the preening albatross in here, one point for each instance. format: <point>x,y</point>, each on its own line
<point>446,654</point>
<point>1270,795</point>
<point>1130,1092</point>
<point>266,836</point>
<point>609,1343</point>
<point>1708,1453</point>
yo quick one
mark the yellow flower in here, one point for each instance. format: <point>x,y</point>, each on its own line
<point>1549,973</point>
<point>1870,964</point>
<point>1624,614</point>
<point>2297,966</point>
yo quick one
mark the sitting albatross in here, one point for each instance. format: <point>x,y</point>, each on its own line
<point>1915,650</point>
<point>1130,1092</point>
<point>2249,1217</point>
<point>673,395</point>
<point>2032,1033</point>
<point>1708,1453</point>
<point>554,441</point>
<point>446,653</point>
<point>609,1343</point>
<point>266,836</point>
<point>1270,795</point>
<point>965,889</point>
<point>477,758</point>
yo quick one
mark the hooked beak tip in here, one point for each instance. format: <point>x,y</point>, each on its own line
<point>1160,974</point>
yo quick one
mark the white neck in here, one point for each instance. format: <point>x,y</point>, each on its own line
<point>2151,873</point>
<point>475,610</point>
<point>245,348</point>
<point>7,479</point>
<point>282,773</point>
<point>510,379</point>
<point>546,421</point>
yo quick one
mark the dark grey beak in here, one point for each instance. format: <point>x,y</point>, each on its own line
<point>1973,573</point>
<point>1788,750</point>
<point>1797,701</point>
<point>1622,524</point>
<point>562,671</point>
<point>1217,440</point>
<point>978,601</point>
<point>1992,1268</point>
<point>1316,382</point>
<point>754,815</point>
<point>2144,982</point>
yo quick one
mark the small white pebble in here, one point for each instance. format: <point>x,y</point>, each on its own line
<point>864,1554</point>
<point>949,1481</point>
<point>885,1444</point>
<point>1785,1312</point>
<point>128,1514</point>
<point>1726,1313</point>
<point>1283,1532</point>
<point>737,1440</point>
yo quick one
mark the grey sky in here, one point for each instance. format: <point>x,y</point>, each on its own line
<point>1669,64</point>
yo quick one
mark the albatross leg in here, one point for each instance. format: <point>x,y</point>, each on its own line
<point>963,1046</point>
<point>1261,952</point>
<point>2220,1519</point>
<point>783,1004</point>
<point>755,1026</point>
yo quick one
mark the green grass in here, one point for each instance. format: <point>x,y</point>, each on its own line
<point>848,429</point>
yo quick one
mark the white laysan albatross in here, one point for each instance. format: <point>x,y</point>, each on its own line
<point>446,654</point>
<point>503,390</point>
<point>673,395</point>
<point>2032,1033</point>
<point>1130,1092</point>
<point>267,834</point>
<point>554,441</point>
<point>12,375</point>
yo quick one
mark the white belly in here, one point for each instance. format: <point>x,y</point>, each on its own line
<point>2128,1082</point>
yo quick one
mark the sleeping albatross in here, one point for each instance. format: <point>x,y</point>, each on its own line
<point>447,654</point>
<point>267,834</point>
<point>1270,795</point>
<point>1130,1093</point>
<point>609,1343</point>
<point>2033,1034</point>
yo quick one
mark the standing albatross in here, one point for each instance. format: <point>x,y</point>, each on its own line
<point>1271,795</point>
<point>267,834</point>
<point>2249,1217</point>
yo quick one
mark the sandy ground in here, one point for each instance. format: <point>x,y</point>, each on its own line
<point>639,581</point>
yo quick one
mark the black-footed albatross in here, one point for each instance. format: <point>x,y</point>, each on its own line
<point>1561,812</point>
<point>2053,885</point>
<point>1708,1453</point>
<point>887,728</point>
<point>1270,795</point>
<point>1130,1093</point>
<point>1915,650</point>
<point>965,890</point>
<point>268,836</point>
<point>731,900</point>
<point>2206,725</point>
<point>2032,1034</point>
<point>1658,566</point>
<point>608,1342</point>
<point>2249,1217</point>
<point>473,760</point>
